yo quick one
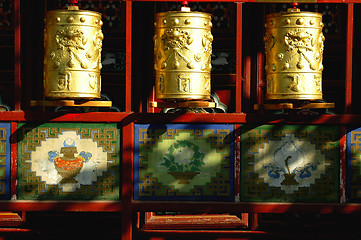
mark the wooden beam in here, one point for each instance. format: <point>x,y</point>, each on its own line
<point>17,57</point>
<point>127,180</point>
<point>128,56</point>
<point>239,45</point>
<point>349,48</point>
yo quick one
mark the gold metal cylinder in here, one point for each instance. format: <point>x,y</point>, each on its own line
<point>182,55</point>
<point>72,61</point>
<point>294,48</point>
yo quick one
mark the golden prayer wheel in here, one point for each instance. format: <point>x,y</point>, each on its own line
<point>72,61</point>
<point>294,47</point>
<point>182,55</point>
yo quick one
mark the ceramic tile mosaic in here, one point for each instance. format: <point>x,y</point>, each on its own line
<point>353,140</point>
<point>291,163</point>
<point>68,161</point>
<point>184,162</point>
<point>5,153</point>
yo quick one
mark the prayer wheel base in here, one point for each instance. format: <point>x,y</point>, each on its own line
<point>286,96</point>
<point>294,106</point>
<point>69,103</point>
<point>185,104</point>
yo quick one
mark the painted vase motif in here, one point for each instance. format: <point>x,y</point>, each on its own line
<point>66,163</point>
<point>183,177</point>
<point>291,166</point>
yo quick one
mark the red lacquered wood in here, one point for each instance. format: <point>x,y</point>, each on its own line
<point>15,230</point>
<point>261,85</point>
<point>235,118</point>
<point>248,207</point>
<point>227,118</point>
<point>209,207</point>
<point>128,57</point>
<point>247,79</point>
<point>17,49</point>
<point>349,47</point>
<point>63,117</point>
<point>239,45</point>
<point>194,221</point>
<point>271,234</point>
<point>259,1</point>
<point>10,219</point>
<point>254,221</point>
<point>14,160</point>
<point>127,180</point>
<point>69,206</point>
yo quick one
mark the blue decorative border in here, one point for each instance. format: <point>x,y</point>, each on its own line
<point>349,164</point>
<point>6,182</point>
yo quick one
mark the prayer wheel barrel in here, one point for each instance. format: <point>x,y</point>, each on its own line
<point>72,61</point>
<point>182,56</point>
<point>294,46</point>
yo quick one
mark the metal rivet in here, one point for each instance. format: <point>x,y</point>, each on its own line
<point>175,21</point>
<point>300,21</point>
<point>70,19</point>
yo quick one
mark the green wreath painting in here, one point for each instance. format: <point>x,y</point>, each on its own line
<point>183,162</point>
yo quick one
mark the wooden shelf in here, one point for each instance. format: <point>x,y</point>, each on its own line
<point>279,106</point>
<point>258,1</point>
<point>180,117</point>
<point>69,103</point>
<point>185,104</point>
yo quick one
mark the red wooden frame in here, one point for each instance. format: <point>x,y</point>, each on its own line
<point>126,204</point>
<point>11,219</point>
<point>349,47</point>
<point>239,44</point>
<point>194,221</point>
<point>17,54</point>
<point>128,51</point>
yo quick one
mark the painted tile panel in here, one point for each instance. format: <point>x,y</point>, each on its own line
<point>353,142</point>
<point>184,162</point>
<point>68,161</point>
<point>5,165</point>
<point>290,163</point>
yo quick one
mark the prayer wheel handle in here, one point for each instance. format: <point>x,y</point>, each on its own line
<point>185,6</point>
<point>73,2</point>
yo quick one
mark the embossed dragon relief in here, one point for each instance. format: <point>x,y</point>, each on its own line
<point>303,42</point>
<point>71,42</point>
<point>299,44</point>
<point>177,43</point>
<point>71,47</point>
